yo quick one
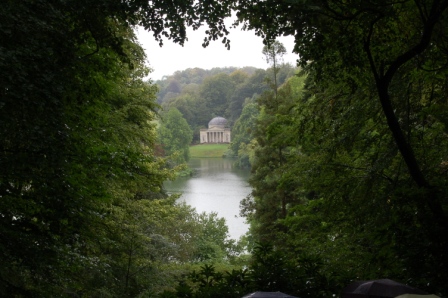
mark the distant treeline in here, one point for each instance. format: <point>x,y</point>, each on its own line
<point>202,94</point>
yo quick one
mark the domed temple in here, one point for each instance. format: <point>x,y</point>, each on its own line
<point>217,131</point>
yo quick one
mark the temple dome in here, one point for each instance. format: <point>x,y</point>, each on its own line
<point>217,122</point>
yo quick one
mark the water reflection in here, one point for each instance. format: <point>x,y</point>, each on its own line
<point>217,186</point>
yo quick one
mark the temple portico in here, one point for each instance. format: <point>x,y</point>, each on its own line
<point>217,131</point>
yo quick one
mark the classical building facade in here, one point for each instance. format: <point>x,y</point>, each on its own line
<point>217,131</point>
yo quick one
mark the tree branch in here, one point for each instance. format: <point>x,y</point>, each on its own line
<point>382,85</point>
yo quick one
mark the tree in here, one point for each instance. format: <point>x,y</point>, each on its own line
<point>76,133</point>
<point>219,91</point>
<point>215,92</point>
<point>273,191</point>
<point>252,86</point>
<point>175,135</point>
<point>242,134</point>
<point>210,282</point>
<point>76,130</point>
<point>365,37</point>
<point>213,243</point>
<point>274,52</point>
<point>65,82</point>
<point>389,53</point>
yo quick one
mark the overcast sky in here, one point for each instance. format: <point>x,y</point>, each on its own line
<point>245,50</point>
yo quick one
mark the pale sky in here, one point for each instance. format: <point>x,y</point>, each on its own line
<point>245,50</point>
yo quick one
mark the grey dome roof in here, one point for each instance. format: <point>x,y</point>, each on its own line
<point>218,121</point>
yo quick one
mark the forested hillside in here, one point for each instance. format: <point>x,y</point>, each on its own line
<point>171,86</point>
<point>201,95</point>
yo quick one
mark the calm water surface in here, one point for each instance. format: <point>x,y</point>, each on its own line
<point>217,186</point>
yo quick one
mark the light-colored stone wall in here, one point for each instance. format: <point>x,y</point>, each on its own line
<point>215,135</point>
<point>217,132</point>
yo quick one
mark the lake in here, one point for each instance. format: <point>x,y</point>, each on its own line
<point>217,186</point>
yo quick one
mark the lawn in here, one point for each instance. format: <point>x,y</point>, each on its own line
<point>208,150</point>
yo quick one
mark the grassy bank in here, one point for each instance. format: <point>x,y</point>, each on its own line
<point>208,150</point>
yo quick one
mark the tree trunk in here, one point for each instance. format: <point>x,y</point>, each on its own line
<point>383,80</point>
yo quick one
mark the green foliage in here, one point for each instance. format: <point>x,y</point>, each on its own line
<point>242,134</point>
<point>362,135</point>
<point>175,135</point>
<point>331,168</point>
<point>217,92</point>
<point>273,52</point>
<point>270,270</point>
<point>273,191</point>
<point>74,121</point>
<point>79,179</point>
<point>349,176</point>
<point>192,78</point>
<point>213,242</point>
<point>299,274</point>
<point>209,282</point>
